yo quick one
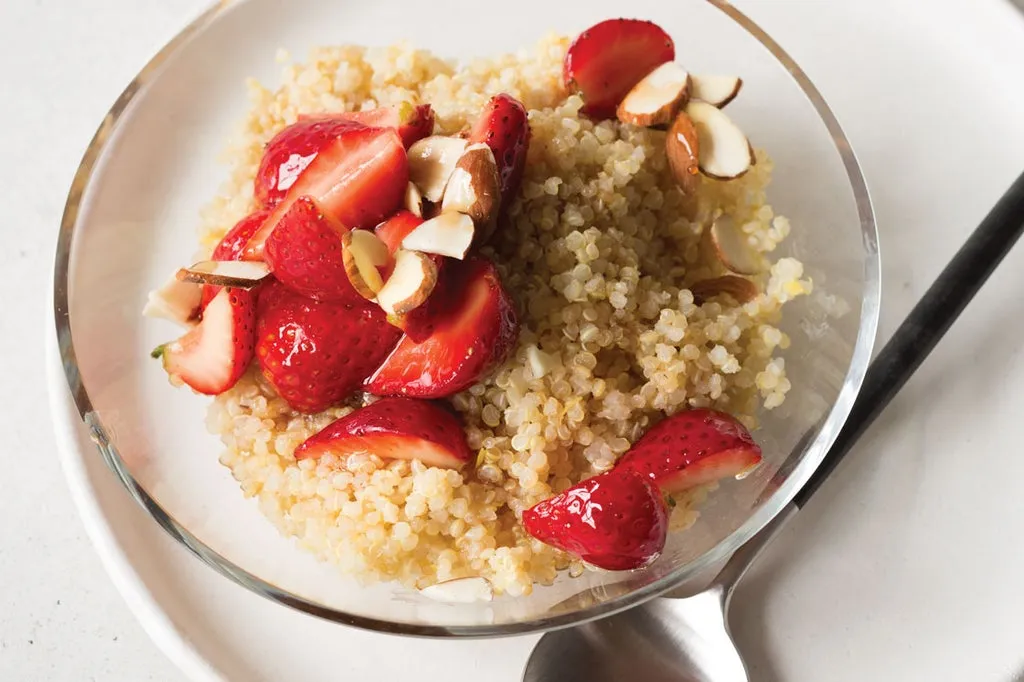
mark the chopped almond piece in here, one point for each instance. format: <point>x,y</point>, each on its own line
<point>682,146</point>
<point>449,234</point>
<point>732,248</point>
<point>410,283</point>
<point>432,161</point>
<point>715,90</point>
<point>363,253</point>
<point>724,149</point>
<point>474,187</point>
<point>238,274</point>
<point>656,99</point>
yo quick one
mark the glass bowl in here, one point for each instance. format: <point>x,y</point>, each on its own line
<point>153,164</point>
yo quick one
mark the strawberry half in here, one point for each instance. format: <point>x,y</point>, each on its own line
<point>357,178</point>
<point>316,354</point>
<point>215,353</point>
<point>692,448</point>
<point>412,122</point>
<point>617,521</point>
<point>609,58</point>
<point>289,152</point>
<point>474,329</point>
<point>230,247</point>
<point>503,126</point>
<point>305,254</point>
<point>395,428</point>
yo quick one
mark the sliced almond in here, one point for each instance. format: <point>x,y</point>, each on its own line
<point>682,146</point>
<point>176,301</point>
<point>410,283</point>
<point>715,90</point>
<point>474,187</point>
<point>431,162</point>
<point>656,99</point>
<point>449,234</point>
<point>740,288</point>
<point>363,253</point>
<point>732,248</point>
<point>238,274</point>
<point>540,362</point>
<point>460,591</point>
<point>414,200</point>
<point>724,149</point>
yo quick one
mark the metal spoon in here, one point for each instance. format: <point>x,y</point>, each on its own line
<point>687,639</point>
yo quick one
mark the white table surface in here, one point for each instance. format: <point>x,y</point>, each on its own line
<point>912,525</point>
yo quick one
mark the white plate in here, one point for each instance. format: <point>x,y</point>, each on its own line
<point>926,102</point>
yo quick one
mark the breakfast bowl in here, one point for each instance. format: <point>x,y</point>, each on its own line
<point>619,283</point>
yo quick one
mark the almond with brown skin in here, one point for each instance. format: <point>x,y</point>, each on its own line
<point>724,149</point>
<point>682,146</point>
<point>656,99</point>
<point>740,288</point>
<point>431,162</point>
<point>715,90</point>
<point>410,283</point>
<point>237,274</point>
<point>474,188</point>
<point>363,254</point>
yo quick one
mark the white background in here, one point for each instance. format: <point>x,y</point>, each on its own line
<point>909,559</point>
<point>62,63</point>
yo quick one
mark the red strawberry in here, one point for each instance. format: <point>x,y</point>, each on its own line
<point>395,428</point>
<point>475,328</point>
<point>357,178</point>
<point>503,126</point>
<point>304,253</point>
<point>316,354</point>
<point>617,521</point>
<point>609,58</point>
<point>412,122</point>
<point>692,448</point>
<point>393,230</point>
<point>215,353</point>
<point>419,323</point>
<point>290,151</point>
<point>230,247</point>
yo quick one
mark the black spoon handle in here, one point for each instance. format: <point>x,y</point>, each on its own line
<point>926,324</point>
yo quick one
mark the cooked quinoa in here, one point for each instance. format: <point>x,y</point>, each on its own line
<point>599,254</point>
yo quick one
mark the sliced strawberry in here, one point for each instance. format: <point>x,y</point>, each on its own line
<point>305,254</point>
<point>357,178</point>
<point>395,428</point>
<point>617,521</point>
<point>419,323</point>
<point>412,122</point>
<point>289,152</point>
<point>230,247</point>
<point>215,353</point>
<point>475,328</point>
<point>609,58</point>
<point>316,354</point>
<point>692,448</point>
<point>503,126</point>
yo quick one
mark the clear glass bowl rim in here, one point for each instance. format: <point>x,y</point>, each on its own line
<point>772,507</point>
